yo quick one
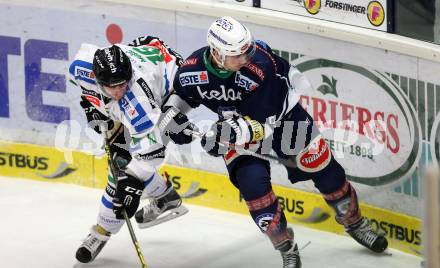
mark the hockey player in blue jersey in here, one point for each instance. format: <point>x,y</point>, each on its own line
<point>254,93</point>
<point>124,87</point>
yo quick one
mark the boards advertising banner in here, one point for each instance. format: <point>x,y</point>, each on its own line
<point>378,142</point>
<point>363,13</point>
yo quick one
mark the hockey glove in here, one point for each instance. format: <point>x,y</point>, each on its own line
<point>95,119</point>
<point>235,130</point>
<point>127,196</point>
<point>210,143</point>
<point>173,123</point>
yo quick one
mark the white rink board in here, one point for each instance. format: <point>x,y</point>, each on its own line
<point>47,34</point>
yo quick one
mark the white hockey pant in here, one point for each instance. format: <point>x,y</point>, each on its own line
<point>147,171</point>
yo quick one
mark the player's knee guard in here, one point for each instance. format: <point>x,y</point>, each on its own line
<point>268,215</point>
<point>344,201</point>
<point>144,166</point>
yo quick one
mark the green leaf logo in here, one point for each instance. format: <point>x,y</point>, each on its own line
<point>328,86</point>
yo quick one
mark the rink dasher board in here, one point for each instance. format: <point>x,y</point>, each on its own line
<point>202,188</point>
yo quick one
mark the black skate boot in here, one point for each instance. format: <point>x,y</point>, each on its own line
<point>289,253</point>
<point>161,209</point>
<point>291,257</point>
<point>366,236</point>
<point>92,245</point>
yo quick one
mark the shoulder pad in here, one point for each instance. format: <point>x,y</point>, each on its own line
<point>81,69</point>
<point>143,40</point>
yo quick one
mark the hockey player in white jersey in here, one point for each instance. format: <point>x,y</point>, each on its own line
<point>125,87</point>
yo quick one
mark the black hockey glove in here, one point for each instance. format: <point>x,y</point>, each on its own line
<point>127,196</point>
<point>173,123</point>
<point>96,119</point>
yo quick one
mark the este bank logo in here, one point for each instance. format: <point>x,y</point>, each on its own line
<point>376,13</point>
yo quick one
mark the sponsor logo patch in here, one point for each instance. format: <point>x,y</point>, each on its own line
<point>189,62</point>
<point>129,109</point>
<point>256,70</point>
<point>224,94</point>
<point>83,72</point>
<point>245,82</point>
<point>194,78</point>
<point>315,157</point>
<point>225,24</point>
<point>147,90</point>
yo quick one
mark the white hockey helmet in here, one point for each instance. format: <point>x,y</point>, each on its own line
<point>230,38</point>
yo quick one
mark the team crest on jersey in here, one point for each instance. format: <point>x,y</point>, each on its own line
<point>264,220</point>
<point>194,78</point>
<point>245,82</point>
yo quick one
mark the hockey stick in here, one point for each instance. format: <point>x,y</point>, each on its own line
<point>124,213</point>
<point>239,149</point>
<point>243,151</point>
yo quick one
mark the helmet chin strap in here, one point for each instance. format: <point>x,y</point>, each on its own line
<point>103,92</point>
<point>220,63</point>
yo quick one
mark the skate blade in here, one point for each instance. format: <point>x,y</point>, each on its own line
<point>171,214</point>
<point>304,246</point>
<point>387,253</point>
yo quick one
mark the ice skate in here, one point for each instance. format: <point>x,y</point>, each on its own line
<point>290,253</point>
<point>291,257</point>
<point>366,236</point>
<point>161,209</point>
<point>92,245</point>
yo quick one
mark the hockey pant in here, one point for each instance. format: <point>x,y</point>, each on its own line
<point>147,155</point>
<point>316,162</point>
<point>252,177</point>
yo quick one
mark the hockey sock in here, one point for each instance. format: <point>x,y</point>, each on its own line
<point>344,201</point>
<point>269,217</point>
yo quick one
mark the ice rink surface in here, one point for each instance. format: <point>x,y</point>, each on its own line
<point>42,224</point>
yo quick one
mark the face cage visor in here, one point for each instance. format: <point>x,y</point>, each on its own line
<point>248,53</point>
<point>101,86</point>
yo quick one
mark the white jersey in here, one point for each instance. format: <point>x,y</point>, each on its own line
<point>153,74</point>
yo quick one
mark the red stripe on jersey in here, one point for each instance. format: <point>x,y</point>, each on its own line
<point>93,100</point>
<point>163,50</point>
